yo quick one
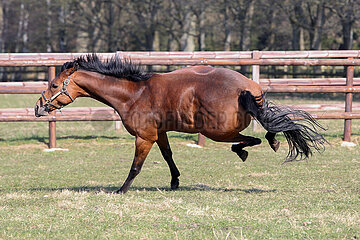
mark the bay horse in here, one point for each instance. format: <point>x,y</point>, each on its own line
<point>216,102</point>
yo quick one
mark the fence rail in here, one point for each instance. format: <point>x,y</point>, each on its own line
<point>68,114</point>
<point>348,85</point>
<point>108,114</point>
<point>305,58</point>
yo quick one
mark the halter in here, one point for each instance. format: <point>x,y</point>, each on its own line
<point>48,102</point>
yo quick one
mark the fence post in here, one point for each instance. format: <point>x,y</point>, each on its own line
<point>201,140</point>
<point>52,124</point>
<point>255,78</point>
<point>118,124</point>
<point>348,102</point>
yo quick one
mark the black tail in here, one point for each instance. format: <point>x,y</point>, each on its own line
<point>299,127</point>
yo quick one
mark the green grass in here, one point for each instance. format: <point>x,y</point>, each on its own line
<point>58,195</point>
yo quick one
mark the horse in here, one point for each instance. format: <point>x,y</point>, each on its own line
<point>216,102</point>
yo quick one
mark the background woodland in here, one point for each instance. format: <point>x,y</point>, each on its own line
<point>177,25</point>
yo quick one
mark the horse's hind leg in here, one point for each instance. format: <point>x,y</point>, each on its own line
<point>164,146</point>
<point>245,141</point>
<point>274,143</point>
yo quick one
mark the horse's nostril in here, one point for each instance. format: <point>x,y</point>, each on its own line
<point>40,111</point>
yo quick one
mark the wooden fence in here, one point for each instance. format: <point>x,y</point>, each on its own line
<point>348,85</point>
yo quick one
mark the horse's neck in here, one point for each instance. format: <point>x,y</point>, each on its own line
<point>114,93</point>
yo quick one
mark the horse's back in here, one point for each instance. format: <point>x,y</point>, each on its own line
<point>197,70</point>
<point>211,77</point>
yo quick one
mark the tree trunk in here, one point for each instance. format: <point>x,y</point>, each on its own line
<point>227,27</point>
<point>271,31</point>
<point>149,39</point>
<point>20,29</point>
<point>296,29</point>
<point>156,47</point>
<point>318,27</point>
<point>48,27</point>
<point>301,40</point>
<point>246,34</point>
<point>227,44</point>
<point>172,45</point>
<point>347,35</point>
<point>201,36</point>
<point>110,23</point>
<point>156,42</point>
<point>295,43</point>
<point>187,38</point>
<point>62,31</point>
<point>3,25</point>
<point>25,29</point>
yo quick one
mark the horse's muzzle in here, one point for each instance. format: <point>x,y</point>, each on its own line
<point>40,111</point>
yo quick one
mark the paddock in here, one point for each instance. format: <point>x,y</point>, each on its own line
<point>62,194</point>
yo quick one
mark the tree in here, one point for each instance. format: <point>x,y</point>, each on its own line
<point>153,25</point>
<point>347,12</point>
<point>310,16</point>
<point>146,13</point>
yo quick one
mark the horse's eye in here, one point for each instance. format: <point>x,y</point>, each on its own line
<point>54,85</point>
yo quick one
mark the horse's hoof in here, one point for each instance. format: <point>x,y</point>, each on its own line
<point>243,155</point>
<point>174,184</point>
<point>120,191</point>
<point>275,145</point>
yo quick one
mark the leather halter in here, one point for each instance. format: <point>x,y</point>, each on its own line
<point>48,102</point>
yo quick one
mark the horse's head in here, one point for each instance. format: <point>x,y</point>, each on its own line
<point>62,90</point>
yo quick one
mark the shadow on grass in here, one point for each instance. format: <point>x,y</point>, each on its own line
<point>194,188</point>
<point>33,138</point>
<point>175,135</point>
<point>45,139</point>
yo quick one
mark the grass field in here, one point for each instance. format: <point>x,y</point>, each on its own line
<point>58,195</point>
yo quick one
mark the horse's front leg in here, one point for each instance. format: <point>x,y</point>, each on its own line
<point>142,149</point>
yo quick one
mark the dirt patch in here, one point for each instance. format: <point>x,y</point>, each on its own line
<point>25,146</point>
<point>261,174</point>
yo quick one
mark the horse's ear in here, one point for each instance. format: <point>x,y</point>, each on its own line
<point>73,66</point>
<point>67,65</point>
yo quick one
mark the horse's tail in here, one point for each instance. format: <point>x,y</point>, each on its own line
<point>299,127</point>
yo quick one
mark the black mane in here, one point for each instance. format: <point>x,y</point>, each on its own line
<point>114,66</point>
